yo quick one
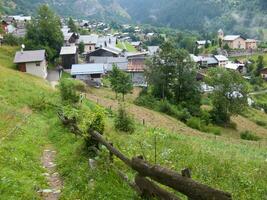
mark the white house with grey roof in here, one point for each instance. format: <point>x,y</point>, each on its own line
<point>32,62</point>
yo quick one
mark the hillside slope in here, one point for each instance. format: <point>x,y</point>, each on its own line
<point>97,9</point>
<point>239,168</point>
<point>246,17</point>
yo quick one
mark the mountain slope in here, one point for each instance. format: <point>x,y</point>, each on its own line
<point>201,15</point>
<point>244,17</point>
<point>101,9</point>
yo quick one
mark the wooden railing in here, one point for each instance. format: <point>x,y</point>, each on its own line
<point>148,174</point>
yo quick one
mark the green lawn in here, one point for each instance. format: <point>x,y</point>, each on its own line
<point>129,47</point>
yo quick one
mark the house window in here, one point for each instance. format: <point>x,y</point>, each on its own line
<point>38,64</point>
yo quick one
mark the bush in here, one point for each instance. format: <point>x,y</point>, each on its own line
<point>247,135</point>
<point>147,101</point>
<point>261,123</point>
<point>205,116</point>
<point>213,129</point>
<point>123,122</point>
<point>11,40</point>
<point>195,123</point>
<point>174,111</point>
<point>69,90</point>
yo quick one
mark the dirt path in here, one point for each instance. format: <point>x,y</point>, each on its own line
<point>53,178</point>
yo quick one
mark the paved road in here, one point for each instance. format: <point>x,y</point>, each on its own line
<point>53,77</point>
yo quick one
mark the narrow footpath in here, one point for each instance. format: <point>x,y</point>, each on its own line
<point>53,178</point>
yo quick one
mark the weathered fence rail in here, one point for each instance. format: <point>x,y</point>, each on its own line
<point>179,182</point>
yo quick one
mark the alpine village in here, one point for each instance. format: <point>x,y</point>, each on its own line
<point>159,103</point>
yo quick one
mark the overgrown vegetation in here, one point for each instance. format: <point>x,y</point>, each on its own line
<point>247,135</point>
<point>120,82</point>
<point>123,121</point>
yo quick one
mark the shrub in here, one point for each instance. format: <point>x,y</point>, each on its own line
<point>247,135</point>
<point>69,90</point>
<point>172,110</point>
<point>205,116</point>
<point>124,122</point>
<point>213,129</point>
<point>261,123</point>
<point>195,123</point>
<point>147,101</point>
<point>11,40</point>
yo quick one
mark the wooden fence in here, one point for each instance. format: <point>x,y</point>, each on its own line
<point>148,176</point>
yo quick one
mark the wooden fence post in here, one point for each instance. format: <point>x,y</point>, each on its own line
<point>111,154</point>
<point>187,173</point>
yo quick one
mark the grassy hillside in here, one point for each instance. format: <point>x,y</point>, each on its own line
<point>236,167</point>
<point>25,131</point>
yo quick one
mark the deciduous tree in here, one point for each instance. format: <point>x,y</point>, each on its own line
<point>229,96</point>
<point>44,32</point>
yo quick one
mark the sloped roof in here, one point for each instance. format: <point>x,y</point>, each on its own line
<point>233,66</point>
<point>112,49</point>
<point>136,43</point>
<point>29,56</point>
<point>136,54</point>
<point>203,42</point>
<point>221,58</point>
<point>231,37</point>
<point>210,60</point>
<point>195,58</point>
<point>109,40</point>
<point>68,50</point>
<point>152,49</point>
<point>90,68</point>
<point>251,40</point>
<point>89,39</point>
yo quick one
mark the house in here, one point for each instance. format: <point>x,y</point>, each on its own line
<point>149,36</point>
<point>222,60</point>
<point>137,45</point>
<point>69,56</point>
<point>120,62</point>
<point>20,32</point>
<point>106,51</point>
<point>202,43</point>
<point>236,67</point>
<point>263,73</point>
<point>90,73</point>
<point>70,38</point>
<point>89,41</point>
<point>251,44</point>
<point>136,67</point>
<point>32,62</point>
<point>106,41</point>
<point>153,50</point>
<point>204,61</point>
<point>234,41</point>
